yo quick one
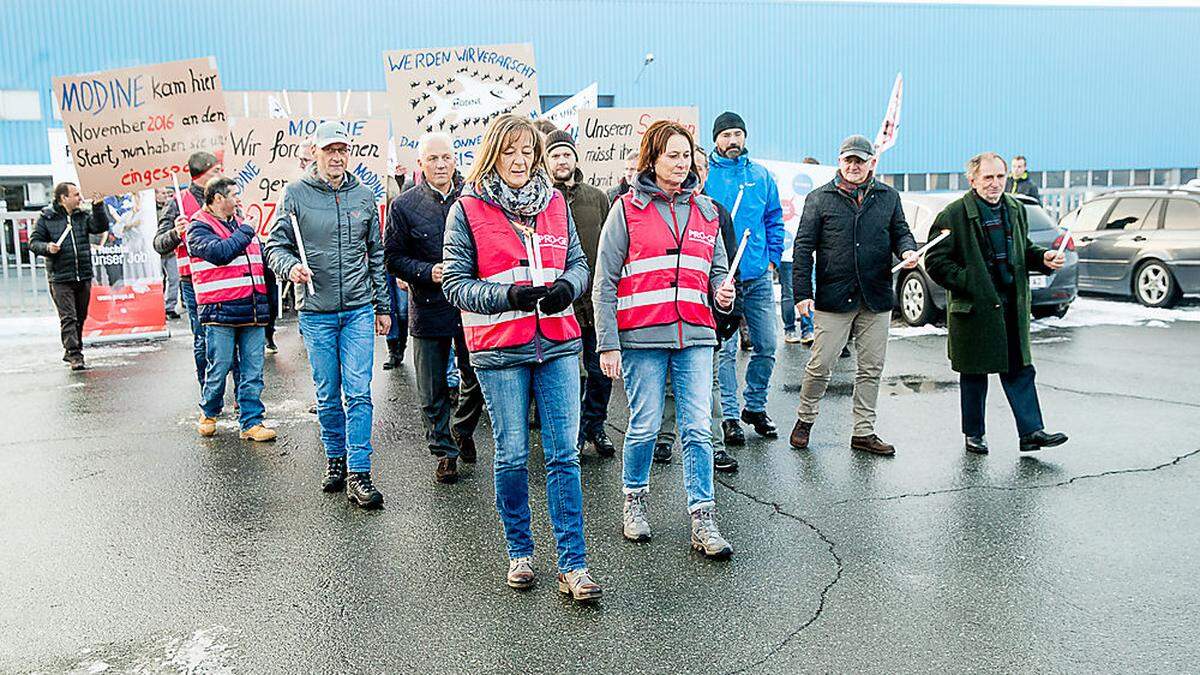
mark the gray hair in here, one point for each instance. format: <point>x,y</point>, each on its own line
<point>974,163</point>
<point>426,139</point>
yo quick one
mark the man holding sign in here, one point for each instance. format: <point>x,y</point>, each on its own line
<point>854,224</point>
<point>983,265</point>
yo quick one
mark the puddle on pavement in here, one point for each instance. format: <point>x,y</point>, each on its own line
<point>889,386</point>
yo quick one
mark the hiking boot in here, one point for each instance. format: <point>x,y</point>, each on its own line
<point>520,573</point>
<point>258,433</point>
<point>635,526</point>
<point>872,444</point>
<point>335,475</point>
<point>207,426</point>
<point>723,461</point>
<point>977,445</point>
<point>1040,439</point>
<point>662,453</point>
<point>447,470</point>
<point>466,448</point>
<point>706,538</point>
<point>763,426</point>
<point>733,433</point>
<point>361,492</point>
<point>800,433</point>
<point>601,444</point>
<point>579,584</point>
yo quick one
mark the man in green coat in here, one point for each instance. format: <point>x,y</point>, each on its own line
<point>983,266</point>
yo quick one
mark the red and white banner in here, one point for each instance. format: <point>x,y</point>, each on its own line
<point>127,286</point>
<point>890,127</point>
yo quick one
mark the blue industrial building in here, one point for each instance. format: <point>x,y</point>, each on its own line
<point>1099,95</point>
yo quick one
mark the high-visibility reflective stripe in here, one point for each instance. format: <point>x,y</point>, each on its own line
<point>666,262</point>
<point>201,265</point>
<point>223,284</point>
<point>522,273</point>
<point>473,320</point>
<point>662,296</point>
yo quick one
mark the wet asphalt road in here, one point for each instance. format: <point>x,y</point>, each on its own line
<point>132,544</point>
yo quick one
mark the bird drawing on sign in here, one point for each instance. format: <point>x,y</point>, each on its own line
<point>442,124</point>
<point>420,118</point>
<point>476,99</point>
<point>510,80</point>
<point>520,85</point>
<point>463,69</point>
<point>424,95</point>
<point>474,73</point>
<point>416,84</point>
<point>440,87</point>
<point>429,83</point>
<point>429,129</point>
<point>414,102</point>
<point>431,109</point>
<point>453,127</point>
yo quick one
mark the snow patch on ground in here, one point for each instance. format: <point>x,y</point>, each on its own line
<point>1096,312</point>
<point>204,651</point>
<point>903,332</point>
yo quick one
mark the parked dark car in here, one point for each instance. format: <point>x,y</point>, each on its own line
<point>1143,242</point>
<point>920,300</point>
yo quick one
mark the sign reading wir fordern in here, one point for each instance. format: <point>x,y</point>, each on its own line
<point>608,137</point>
<point>132,128</point>
<point>457,90</point>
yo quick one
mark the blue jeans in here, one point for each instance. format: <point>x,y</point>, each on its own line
<point>759,308</point>
<point>645,372</point>
<point>198,350</point>
<point>453,379</point>
<point>555,386</point>
<point>224,344</point>
<point>341,351</point>
<point>787,303</point>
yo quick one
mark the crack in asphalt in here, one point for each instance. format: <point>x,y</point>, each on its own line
<point>1113,394</point>
<point>1015,488</point>
<point>830,545</point>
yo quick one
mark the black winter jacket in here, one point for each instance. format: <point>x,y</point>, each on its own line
<point>416,226</point>
<point>73,262</point>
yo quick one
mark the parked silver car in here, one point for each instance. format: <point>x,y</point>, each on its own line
<point>1143,242</point>
<point>920,300</point>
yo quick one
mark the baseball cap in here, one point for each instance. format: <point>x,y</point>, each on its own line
<point>857,146</point>
<point>330,132</point>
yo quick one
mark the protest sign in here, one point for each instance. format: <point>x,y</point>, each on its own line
<point>794,181</point>
<point>457,90</point>
<point>890,126</point>
<point>565,115</point>
<point>127,291</point>
<point>132,128</point>
<point>608,137</point>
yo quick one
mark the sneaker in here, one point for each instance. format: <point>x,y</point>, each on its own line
<point>790,337</point>
<point>270,347</point>
<point>466,448</point>
<point>807,338</point>
<point>207,426</point>
<point>706,538</point>
<point>733,433</point>
<point>872,444</point>
<point>361,492</point>
<point>662,453</point>
<point>601,444</point>
<point>447,470</point>
<point>723,461</point>
<point>579,585</point>
<point>172,314</point>
<point>635,526</point>
<point>258,433</point>
<point>763,426</point>
<point>335,475</point>
<point>520,573</point>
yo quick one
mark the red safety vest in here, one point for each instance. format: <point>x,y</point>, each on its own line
<point>233,281</point>
<point>502,259</point>
<point>190,208</point>
<point>665,279</point>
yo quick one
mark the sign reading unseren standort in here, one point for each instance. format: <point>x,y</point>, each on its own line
<point>457,90</point>
<point>610,137</point>
<point>264,155</point>
<point>133,128</point>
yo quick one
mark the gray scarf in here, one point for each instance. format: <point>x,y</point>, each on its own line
<point>526,202</point>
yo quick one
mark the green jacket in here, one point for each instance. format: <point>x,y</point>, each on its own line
<point>589,208</point>
<point>978,341</point>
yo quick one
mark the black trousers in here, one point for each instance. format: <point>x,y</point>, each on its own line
<point>1018,384</point>
<point>430,358</point>
<point>71,299</point>
<point>596,390</point>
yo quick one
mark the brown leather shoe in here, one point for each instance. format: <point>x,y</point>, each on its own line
<point>447,470</point>
<point>872,444</point>
<point>800,432</point>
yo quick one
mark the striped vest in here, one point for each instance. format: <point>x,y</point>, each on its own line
<point>190,208</point>
<point>240,278</point>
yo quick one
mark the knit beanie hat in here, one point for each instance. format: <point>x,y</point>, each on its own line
<point>559,137</point>
<point>727,120</point>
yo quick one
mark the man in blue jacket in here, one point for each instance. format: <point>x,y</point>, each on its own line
<point>749,192</point>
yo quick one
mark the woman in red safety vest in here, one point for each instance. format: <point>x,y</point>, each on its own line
<point>513,265</point>
<point>660,275</point>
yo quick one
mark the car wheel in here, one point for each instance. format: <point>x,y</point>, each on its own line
<point>1153,285</point>
<point>1047,311</point>
<point>1062,310</point>
<point>916,307</point>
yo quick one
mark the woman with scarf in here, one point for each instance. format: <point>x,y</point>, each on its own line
<point>660,273</point>
<point>513,265</point>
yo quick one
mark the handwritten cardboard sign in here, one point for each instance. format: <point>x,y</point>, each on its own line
<point>565,115</point>
<point>609,137</point>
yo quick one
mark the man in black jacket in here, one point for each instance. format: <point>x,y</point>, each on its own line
<point>854,224</point>
<point>416,223</point>
<point>61,235</point>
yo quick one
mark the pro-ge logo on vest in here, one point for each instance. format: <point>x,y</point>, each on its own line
<point>553,241</point>
<point>697,235</point>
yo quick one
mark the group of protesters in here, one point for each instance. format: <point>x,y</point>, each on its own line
<point>529,292</point>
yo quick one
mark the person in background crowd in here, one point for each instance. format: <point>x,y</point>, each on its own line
<point>627,178</point>
<point>750,194</point>
<point>787,309</point>
<point>231,297</point>
<point>660,272</point>
<point>170,269</point>
<point>984,266</point>
<point>397,337</point>
<point>416,223</point>
<point>854,224</point>
<point>341,295</point>
<point>544,127</point>
<point>513,265</point>
<point>588,207</point>
<point>1019,182</point>
<point>61,237</point>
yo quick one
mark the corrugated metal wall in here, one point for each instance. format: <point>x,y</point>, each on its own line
<point>1073,88</point>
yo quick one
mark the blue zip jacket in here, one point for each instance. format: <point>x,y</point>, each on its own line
<point>758,211</point>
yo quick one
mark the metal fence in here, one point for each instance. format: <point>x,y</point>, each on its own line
<point>23,289</point>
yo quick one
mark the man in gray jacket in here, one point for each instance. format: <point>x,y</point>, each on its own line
<point>328,242</point>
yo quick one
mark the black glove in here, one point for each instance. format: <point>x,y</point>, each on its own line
<point>727,325</point>
<point>524,298</point>
<point>559,298</point>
